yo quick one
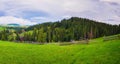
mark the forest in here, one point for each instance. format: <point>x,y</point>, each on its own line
<point>66,30</point>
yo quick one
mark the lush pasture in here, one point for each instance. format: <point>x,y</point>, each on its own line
<point>96,52</point>
<point>1,28</point>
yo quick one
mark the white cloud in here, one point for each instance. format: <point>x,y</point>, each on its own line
<point>45,19</point>
<point>40,19</point>
<point>117,1</point>
<point>100,10</point>
<point>53,7</point>
<point>10,19</point>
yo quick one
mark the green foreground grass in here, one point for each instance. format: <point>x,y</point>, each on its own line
<point>2,28</point>
<point>97,52</point>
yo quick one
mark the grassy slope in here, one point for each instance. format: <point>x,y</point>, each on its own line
<point>2,28</point>
<point>97,52</point>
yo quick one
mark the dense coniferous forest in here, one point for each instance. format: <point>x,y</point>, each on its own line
<point>61,31</point>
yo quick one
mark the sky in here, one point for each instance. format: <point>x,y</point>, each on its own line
<point>30,12</point>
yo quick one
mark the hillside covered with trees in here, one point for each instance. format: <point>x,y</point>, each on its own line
<point>65,30</point>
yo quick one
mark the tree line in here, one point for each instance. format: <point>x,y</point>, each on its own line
<point>61,31</point>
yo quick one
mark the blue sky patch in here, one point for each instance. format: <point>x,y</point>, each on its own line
<point>30,14</point>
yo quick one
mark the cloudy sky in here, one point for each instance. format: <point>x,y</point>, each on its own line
<point>38,11</point>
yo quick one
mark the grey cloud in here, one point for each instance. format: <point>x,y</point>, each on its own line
<point>100,10</point>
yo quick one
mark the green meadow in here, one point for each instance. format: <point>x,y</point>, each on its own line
<point>2,28</point>
<point>96,52</point>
